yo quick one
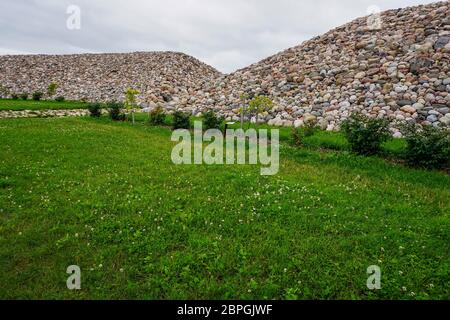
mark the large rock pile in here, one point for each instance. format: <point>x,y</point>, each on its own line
<point>396,66</point>
<point>399,70</point>
<point>159,76</point>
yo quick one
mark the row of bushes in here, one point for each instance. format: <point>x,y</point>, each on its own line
<point>157,116</point>
<point>426,147</point>
<point>36,96</point>
<point>181,120</point>
<point>114,110</point>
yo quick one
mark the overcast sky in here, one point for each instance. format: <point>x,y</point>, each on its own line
<point>227,34</point>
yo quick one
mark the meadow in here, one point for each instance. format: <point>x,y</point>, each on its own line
<point>105,196</point>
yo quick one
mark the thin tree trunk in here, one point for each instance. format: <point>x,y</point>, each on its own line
<point>256,124</point>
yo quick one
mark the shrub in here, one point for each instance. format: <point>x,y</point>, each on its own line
<point>211,121</point>
<point>157,116</point>
<point>258,105</point>
<point>115,111</point>
<point>297,137</point>
<point>60,99</point>
<point>427,147</point>
<point>310,128</point>
<point>4,92</point>
<point>130,100</point>
<point>365,134</point>
<point>14,96</point>
<point>181,120</point>
<point>37,95</point>
<point>24,96</point>
<point>95,110</point>
<point>51,89</point>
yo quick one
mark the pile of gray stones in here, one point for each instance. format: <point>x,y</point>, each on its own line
<point>395,65</point>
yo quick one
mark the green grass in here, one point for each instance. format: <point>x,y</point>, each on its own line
<point>321,140</point>
<point>19,105</point>
<point>106,196</point>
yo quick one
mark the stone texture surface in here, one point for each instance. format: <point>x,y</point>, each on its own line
<point>398,71</point>
<point>4,114</point>
<point>160,76</point>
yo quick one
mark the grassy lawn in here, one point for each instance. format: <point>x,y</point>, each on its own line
<point>106,196</point>
<point>320,140</point>
<point>18,105</point>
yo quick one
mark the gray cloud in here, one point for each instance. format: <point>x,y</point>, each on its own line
<point>227,34</point>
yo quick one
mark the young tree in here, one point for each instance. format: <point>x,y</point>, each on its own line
<point>4,92</point>
<point>244,98</point>
<point>130,100</point>
<point>259,104</point>
<point>51,89</point>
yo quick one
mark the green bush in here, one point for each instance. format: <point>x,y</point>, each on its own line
<point>60,99</point>
<point>297,137</point>
<point>24,96</point>
<point>51,89</point>
<point>37,95</point>
<point>181,120</point>
<point>310,128</point>
<point>95,109</point>
<point>211,120</point>
<point>258,105</point>
<point>157,116</point>
<point>4,92</point>
<point>427,147</point>
<point>14,96</point>
<point>366,135</point>
<point>115,111</point>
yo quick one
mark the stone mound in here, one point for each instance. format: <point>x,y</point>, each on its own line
<point>394,66</point>
<point>159,76</point>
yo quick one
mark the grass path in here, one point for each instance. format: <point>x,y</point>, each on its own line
<point>105,196</point>
<point>19,105</point>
